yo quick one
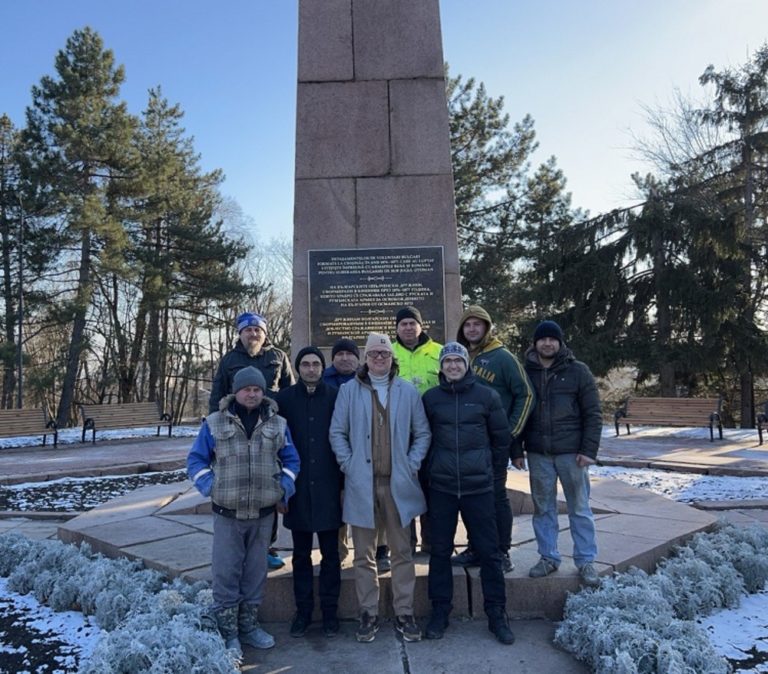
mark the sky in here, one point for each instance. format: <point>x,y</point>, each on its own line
<point>583,70</point>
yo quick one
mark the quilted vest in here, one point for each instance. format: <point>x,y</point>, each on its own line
<point>246,472</point>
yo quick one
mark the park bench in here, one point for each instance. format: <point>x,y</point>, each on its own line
<point>19,423</point>
<point>671,412</point>
<point>762,421</point>
<point>123,415</point>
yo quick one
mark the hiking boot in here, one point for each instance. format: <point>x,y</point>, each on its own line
<point>467,558</point>
<point>299,625</point>
<point>542,568</point>
<point>330,626</point>
<point>438,621</point>
<point>588,575</point>
<point>274,561</point>
<point>498,624</point>
<point>406,625</point>
<point>507,565</point>
<point>251,633</point>
<point>369,625</point>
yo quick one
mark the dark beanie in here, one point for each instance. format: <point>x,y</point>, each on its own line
<point>548,329</point>
<point>344,344</point>
<point>248,376</point>
<point>409,312</point>
<point>305,351</point>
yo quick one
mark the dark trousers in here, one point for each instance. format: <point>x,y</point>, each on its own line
<point>477,513</point>
<point>503,515</point>
<point>329,583</point>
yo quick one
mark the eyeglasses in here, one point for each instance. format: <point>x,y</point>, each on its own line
<point>382,355</point>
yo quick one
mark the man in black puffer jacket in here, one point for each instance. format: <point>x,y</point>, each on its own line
<point>470,445</point>
<point>561,442</point>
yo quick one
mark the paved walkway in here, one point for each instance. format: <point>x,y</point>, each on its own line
<point>169,526</point>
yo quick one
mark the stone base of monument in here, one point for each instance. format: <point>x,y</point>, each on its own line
<point>170,528</point>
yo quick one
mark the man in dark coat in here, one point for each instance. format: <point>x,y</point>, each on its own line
<point>470,446</point>
<point>345,359</point>
<point>316,506</point>
<point>253,349</point>
<point>561,442</point>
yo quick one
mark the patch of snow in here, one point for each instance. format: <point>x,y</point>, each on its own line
<point>687,487</point>
<point>73,436</point>
<point>732,434</point>
<point>741,634</point>
<point>26,626</point>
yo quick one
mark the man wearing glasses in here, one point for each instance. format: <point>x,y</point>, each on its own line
<point>380,435</point>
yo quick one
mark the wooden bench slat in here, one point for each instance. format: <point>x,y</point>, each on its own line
<point>671,412</point>
<point>123,415</point>
<point>24,422</point>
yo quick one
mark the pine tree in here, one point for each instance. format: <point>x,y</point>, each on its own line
<point>77,148</point>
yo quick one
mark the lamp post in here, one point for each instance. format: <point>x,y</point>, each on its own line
<point>20,392</point>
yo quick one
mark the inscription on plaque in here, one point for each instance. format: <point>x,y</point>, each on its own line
<point>357,291</point>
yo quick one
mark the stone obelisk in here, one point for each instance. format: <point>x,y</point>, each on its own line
<point>373,160</point>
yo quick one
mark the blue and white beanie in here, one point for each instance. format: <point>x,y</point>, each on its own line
<point>248,320</point>
<point>454,349</point>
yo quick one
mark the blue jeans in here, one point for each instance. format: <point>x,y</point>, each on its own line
<point>545,469</point>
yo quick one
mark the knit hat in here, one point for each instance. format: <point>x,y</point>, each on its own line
<point>249,319</point>
<point>409,312</point>
<point>344,344</point>
<point>454,349</point>
<point>305,351</point>
<point>548,329</point>
<point>377,342</point>
<point>248,376</point>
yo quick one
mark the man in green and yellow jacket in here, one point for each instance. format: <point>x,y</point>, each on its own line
<point>418,355</point>
<point>497,368</point>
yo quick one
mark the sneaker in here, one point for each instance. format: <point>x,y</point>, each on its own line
<point>299,625</point>
<point>383,564</point>
<point>467,558</point>
<point>437,624</point>
<point>274,561</point>
<point>542,568</point>
<point>258,638</point>
<point>406,625</point>
<point>498,624</point>
<point>330,626</point>
<point>369,625</point>
<point>588,575</point>
<point>507,565</point>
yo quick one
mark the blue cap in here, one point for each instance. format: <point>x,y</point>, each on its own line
<point>248,320</point>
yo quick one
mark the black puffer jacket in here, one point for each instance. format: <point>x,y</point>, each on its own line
<point>567,417</point>
<point>270,361</point>
<point>470,436</point>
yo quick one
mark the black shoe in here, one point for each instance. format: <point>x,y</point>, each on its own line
<point>299,625</point>
<point>406,625</point>
<point>437,624</point>
<point>499,625</point>
<point>467,558</point>
<point>330,626</point>
<point>383,565</point>
<point>369,625</point>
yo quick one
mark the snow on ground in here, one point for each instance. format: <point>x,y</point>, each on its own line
<point>687,487</point>
<point>33,638</point>
<point>72,436</point>
<point>731,434</point>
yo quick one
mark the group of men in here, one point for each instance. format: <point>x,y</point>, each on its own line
<point>416,429</point>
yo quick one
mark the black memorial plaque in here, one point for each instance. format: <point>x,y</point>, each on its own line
<point>357,291</point>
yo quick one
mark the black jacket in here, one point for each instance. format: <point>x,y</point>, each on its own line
<point>316,505</point>
<point>567,417</point>
<point>271,361</point>
<point>470,436</point>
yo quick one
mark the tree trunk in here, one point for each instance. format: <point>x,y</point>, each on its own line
<point>10,317</point>
<point>78,332</point>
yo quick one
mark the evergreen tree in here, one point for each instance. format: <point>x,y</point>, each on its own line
<point>77,148</point>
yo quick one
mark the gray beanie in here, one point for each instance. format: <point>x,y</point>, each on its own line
<point>454,349</point>
<point>248,376</point>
